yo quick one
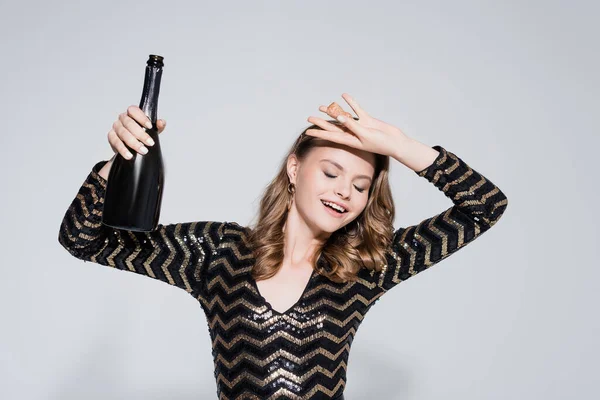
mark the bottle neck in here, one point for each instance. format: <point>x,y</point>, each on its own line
<point>149,100</point>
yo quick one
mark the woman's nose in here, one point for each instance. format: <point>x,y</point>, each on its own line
<point>343,192</point>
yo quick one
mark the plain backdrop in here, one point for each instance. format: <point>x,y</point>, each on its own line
<point>511,87</point>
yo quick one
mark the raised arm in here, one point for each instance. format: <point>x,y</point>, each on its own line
<point>478,205</point>
<point>178,254</point>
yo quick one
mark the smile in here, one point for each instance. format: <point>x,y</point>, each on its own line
<point>333,211</point>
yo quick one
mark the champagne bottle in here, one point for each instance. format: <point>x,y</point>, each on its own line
<point>134,189</point>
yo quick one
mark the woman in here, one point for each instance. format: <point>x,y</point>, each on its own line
<point>284,299</point>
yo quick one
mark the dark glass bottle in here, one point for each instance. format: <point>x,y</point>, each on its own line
<point>134,189</point>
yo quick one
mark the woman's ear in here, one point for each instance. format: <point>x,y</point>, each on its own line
<point>292,168</point>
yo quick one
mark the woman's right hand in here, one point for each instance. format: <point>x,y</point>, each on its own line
<point>128,129</point>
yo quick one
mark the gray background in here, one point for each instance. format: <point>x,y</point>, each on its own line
<point>509,86</point>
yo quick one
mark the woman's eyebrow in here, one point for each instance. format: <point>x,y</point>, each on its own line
<point>342,168</point>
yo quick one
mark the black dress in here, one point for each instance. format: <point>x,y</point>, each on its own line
<point>258,352</point>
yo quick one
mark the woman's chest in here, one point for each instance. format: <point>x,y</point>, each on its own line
<point>285,289</point>
<point>313,308</point>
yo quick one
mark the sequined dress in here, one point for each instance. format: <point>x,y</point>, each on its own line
<point>258,352</point>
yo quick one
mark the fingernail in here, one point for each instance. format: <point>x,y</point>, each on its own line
<point>143,149</point>
<point>148,124</point>
<point>128,155</point>
<point>341,118</point>
<point>150,141</point>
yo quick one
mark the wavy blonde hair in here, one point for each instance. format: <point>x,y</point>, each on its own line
<point>361,243</point>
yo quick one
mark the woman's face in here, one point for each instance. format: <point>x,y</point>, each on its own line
<point>335,173</point>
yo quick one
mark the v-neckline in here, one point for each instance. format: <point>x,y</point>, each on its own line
<point>268,304</point>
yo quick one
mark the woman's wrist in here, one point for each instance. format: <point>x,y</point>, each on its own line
<point>414,154</point>
<point>106,168</point>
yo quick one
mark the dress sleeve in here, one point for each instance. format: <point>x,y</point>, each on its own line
<point>478,205</point>
<point>177,254</point>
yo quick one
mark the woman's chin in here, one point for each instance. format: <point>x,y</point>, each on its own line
<point>330,226</point>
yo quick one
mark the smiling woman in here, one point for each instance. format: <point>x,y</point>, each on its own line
<point>285,298</point>
<point>319,170</point>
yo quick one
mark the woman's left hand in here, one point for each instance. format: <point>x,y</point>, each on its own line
<point>366,133</point>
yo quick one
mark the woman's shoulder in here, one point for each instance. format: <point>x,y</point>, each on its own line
<point>236,234</point>
<point>234,229</point>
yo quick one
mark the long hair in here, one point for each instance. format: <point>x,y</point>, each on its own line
<point>361,243</point>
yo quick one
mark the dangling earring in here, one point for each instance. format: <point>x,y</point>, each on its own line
<point>291,189</point>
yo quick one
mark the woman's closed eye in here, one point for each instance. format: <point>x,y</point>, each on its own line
<point>360,190</point>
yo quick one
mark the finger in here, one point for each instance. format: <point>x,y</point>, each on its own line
<point>128,138</point>
<point>139,116</point>
<point>137,131</point>
<point>353,125</point>
<point>324,124</point>
<point>160,125</point>
<point>325,109</point>
<point>344,138</point>
<point>352,103</point>
<point>117,145</point>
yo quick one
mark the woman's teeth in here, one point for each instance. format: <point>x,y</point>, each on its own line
<point>334,206</point>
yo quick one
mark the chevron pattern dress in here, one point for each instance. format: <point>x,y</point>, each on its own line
<point>258,352</point>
